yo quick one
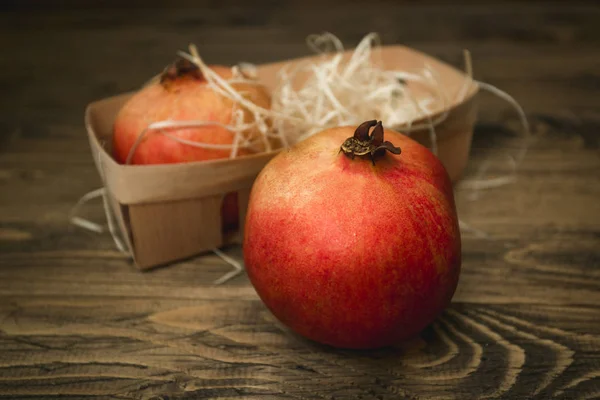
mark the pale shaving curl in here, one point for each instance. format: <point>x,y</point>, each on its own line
<point>336,92</point>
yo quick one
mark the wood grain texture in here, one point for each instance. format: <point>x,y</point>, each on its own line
<point>77,320</point>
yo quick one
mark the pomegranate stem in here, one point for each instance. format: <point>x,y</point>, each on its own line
<point>368,146</point>
<point>179,68</point>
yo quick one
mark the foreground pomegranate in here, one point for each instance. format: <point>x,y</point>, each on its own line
<point>349,244</point>
<point>183,94</point>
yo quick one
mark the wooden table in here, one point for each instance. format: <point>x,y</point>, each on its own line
<point>77,320</point>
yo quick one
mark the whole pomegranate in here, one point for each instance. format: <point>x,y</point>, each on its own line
<point>349,244</point>
<point>183,94</point>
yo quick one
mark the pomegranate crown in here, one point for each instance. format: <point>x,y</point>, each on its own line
<point>181,67</point>
<point>364,145</point>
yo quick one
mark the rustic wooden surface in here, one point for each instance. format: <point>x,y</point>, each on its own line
<point>78,321</point>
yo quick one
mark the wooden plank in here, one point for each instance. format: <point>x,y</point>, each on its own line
<point>552,265</point>
<point>207,347</point>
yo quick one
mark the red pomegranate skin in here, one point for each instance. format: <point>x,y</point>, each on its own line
<point>348,253</point>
